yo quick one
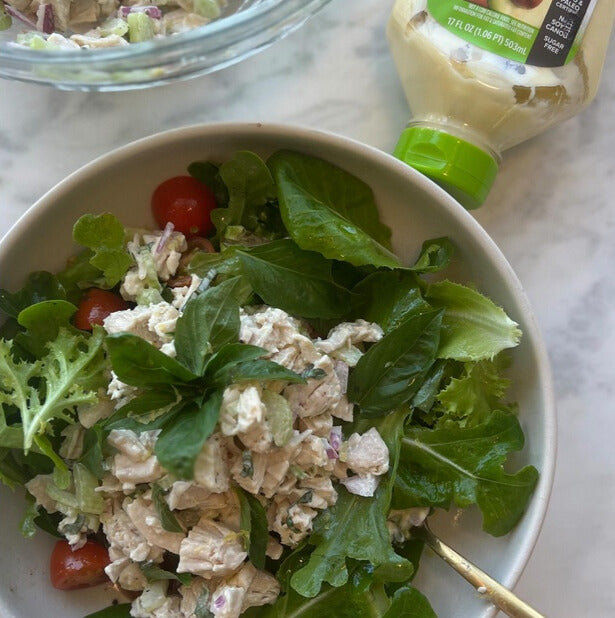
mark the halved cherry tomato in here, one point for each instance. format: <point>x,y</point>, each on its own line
<point>96,305</point>
<point>80,568</point>
<point>185,202</point>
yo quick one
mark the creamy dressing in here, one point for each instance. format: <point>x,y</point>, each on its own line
<point>481,97</point>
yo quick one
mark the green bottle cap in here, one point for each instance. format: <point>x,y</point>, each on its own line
<point>462,169</point>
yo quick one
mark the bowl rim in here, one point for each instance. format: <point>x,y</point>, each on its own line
<point>535,514</point>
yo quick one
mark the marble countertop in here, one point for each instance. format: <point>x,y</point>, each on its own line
<point>551,212</point>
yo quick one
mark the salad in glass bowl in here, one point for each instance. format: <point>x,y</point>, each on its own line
<point>245,411</point>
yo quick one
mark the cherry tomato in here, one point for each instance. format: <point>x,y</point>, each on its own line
<point>186,203</point>
<point>96,305</point>
<point>80,568</point>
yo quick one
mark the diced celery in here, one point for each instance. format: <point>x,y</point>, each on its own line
<point>279,417</point>
<point>207,8</point>
<point>5,18</point>
<point>140,27</point>
<point>113,25</point>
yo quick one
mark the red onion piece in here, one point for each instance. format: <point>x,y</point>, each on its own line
<point>219,602</point>
<point>13,12</point>
<point>45,19</point>
<point>150,10</point>
<point>164,238</point>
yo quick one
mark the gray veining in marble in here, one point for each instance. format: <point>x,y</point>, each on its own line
<point>552,212</point>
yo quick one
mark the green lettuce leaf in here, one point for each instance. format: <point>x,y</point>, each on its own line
<point>473,327</point>
<point>72,364</point>
<point>472,397</point>
<point>464,465</point>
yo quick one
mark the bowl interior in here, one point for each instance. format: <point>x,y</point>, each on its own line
<point>415,208</point>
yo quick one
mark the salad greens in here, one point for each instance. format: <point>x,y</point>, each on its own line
<point>296,233</point>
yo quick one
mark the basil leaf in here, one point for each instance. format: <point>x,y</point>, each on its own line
<point>299,282</point>
<point>139,363</point>
<point>153,573</point>
<point>464,465</point>
<point>259,369</point>
<point>254,525</point>
<point>388,298</point>
<point>250,186</point>
<point>328,210</point>
<point>182,439</point>
<point>391,372</point>
<point>167,519</point>
<point>209,174</point>
<point>209,320</point>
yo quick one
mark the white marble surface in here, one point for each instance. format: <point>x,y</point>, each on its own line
<point>551,212</point>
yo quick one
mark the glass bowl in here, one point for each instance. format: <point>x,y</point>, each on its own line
<point>247,27</point>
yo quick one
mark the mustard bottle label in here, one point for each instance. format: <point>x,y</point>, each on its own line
<point>544,33</point>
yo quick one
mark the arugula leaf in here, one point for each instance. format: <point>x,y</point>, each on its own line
<point>328,210</point>
<point>388,298</point>
<point>473,327</point>
<point>358,598</point>
<point>254,525</point>
<point>410,603</point>
<point>72,361</point>
<point>355,527</point>
<point>299,282</point>
<point>209,321</point>
<point>139,363</point>
<point>391,372</point>
<point>181,440</point>
<point>464,465</point>
<point>104,235</point>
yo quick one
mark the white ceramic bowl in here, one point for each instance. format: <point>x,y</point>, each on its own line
<point>415,208</point>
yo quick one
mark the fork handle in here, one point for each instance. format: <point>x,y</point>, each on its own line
<point>491,589</point>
